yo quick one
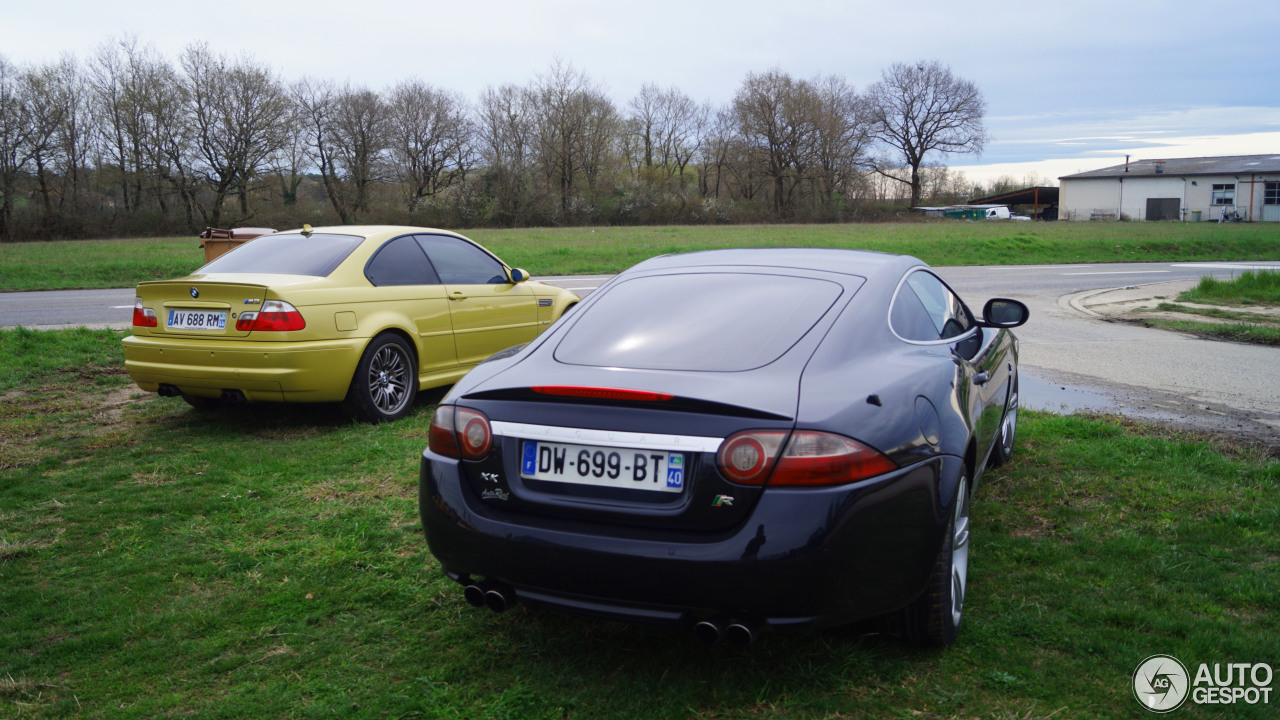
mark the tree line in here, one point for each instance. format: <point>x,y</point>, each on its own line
<point>129,143</point>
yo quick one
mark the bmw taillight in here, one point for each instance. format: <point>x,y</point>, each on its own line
<point>143,316</point>
<point>274,316</point>
<point>460,432</point>
<point>809,458</point>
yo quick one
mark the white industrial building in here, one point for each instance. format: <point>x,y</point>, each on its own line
<point>1210,189</point>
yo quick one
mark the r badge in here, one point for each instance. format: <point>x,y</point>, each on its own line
<point>722,501</point>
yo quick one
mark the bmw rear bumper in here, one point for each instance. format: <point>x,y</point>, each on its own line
<point>803,556</point>
<point>315,371</point>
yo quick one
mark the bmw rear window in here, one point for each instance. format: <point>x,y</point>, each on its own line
<point>287,254</point>
<point>720,322</point>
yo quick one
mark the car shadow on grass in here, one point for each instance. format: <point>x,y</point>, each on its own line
<point>560,654</point>
<point>249,418</point>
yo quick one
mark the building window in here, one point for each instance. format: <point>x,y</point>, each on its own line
<point>1271,196</point>
<point>1224,194</point>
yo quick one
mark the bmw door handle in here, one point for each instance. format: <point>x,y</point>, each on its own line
<point>981,378</point>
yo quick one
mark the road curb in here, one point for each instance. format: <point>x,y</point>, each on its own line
<point>1077,301</point>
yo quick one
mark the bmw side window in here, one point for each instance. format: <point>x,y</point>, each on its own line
<point>401,262</point>
<point>461,263</point>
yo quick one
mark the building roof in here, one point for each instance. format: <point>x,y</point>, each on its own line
<point>1228,165</point>
<point>1026,196</point>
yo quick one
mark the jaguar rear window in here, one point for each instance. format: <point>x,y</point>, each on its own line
<point>721,322</point>
<point>287,254</point>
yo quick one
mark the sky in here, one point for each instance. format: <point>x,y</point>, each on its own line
<point>1072,85</point>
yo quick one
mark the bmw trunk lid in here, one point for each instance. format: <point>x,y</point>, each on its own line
<point>208,306</point>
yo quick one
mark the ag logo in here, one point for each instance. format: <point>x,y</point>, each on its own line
<point>1161,683</point>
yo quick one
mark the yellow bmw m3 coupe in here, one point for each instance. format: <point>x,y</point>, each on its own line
<point>366,316</point>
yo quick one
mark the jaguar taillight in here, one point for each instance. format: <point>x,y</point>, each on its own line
<point>808,458</point>
<point>747,457</point>
<point>460,432</point>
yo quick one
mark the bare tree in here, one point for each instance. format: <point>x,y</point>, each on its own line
<point>73,134</point>
<point>170,148</point>
<point>843,133</point>
<point>920,109</point>
<point>315,101</point>
<point>47,106</point>
<point>574,124</point>
<point>360,118</point>
<point>776,118</point>
<point>236,111</point>
<point>718,137</point>
<point>430,137</point>
<point>505,132</point>
<point>346,134</point>
<point>15,131</point>
<point>646,116</point>
<point>119,73</point>
<point>290,162</point>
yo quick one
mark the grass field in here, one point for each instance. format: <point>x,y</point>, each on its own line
<point>267,561</point>
<point>569,251</point>
<point>1236,319</point>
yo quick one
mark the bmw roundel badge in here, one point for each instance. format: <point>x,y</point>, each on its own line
<point>194,292</point>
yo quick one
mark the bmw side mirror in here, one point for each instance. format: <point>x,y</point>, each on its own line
<point>518,275</point>
<point>1004,313</point>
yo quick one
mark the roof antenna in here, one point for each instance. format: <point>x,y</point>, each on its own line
<point>1126,163</point>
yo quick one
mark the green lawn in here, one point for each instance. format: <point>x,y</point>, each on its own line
<point>1260,287</point>
<point>569,251</point>
<point>267,561</point>
<point>1238,298</point>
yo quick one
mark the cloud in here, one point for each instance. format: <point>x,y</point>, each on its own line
<point>1096,157</point>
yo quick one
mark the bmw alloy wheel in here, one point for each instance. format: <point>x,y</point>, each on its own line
<point>388,379</point>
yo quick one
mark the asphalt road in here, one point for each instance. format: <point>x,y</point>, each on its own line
<point>1071,358</point>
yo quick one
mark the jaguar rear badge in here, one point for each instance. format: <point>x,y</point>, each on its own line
<point>194,292</point>
<point>722,501</point>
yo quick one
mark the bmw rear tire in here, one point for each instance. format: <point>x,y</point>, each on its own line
<point>386,381</point>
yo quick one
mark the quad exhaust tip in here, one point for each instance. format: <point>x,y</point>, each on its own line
<point>494,595</point>
<point>738,633</point>
<point>708,632</point>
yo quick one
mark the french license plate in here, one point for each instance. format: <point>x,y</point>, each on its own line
<point>197,320</point>
<point>656,470</point>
